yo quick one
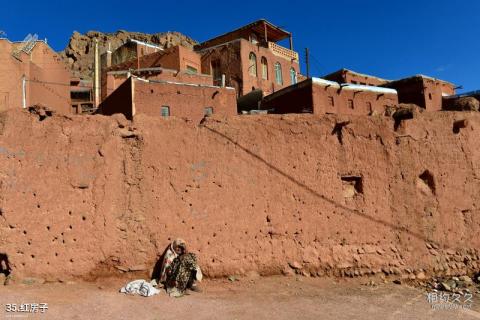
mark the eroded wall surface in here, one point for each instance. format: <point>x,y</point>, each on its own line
<point>90,196</point>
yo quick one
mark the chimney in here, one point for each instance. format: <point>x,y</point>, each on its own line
<point>223,80</point>
<point>96,74</point>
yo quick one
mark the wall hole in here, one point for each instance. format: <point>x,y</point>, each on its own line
<point>400,115</point>
<point>427,179</point>
<point>460,124</point>
<point>352,185</point>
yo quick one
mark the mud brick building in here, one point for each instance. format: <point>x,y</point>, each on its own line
<point>81,94</point>
<point>33,73</point>
<point>320,96</point>
<point>176,64</point>
<point>165,98</point>
<point>251,58</point>
<point>132,49</point>
<point>426,92</point>
<point>467,101</point>
<point>349,76</point>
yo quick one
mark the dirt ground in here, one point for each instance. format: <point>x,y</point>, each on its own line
<point>247,298</point>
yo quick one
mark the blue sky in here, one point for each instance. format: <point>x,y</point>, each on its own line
<point>391,39</point>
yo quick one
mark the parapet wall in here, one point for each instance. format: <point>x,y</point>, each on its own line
<point>88,196</point>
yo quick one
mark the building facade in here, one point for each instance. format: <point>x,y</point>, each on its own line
<point>425,92</point>
<point>163,99</point>
<point>81,95</point>
<point>349,76</point>
<point>32,73</point>
<point>175,64</point>
<point>320,96</point>
<point>250,58</point>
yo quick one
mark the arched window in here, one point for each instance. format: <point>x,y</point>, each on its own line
<point>252,68</point>
<point>278,73</point>
<point>264,68</point>
<point>293,76</point>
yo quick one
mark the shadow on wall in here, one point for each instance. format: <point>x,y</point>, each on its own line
<point>316,194</point>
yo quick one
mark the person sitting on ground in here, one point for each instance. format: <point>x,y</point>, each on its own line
<point>180,270</point>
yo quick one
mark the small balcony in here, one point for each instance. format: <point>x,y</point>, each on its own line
<point>282,51</point>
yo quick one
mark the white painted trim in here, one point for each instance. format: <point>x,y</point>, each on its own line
<point>350,86</point>
<point>146,44</point>
<point>182,83</point>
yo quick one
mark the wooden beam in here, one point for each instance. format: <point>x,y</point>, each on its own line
<point>265,30</point>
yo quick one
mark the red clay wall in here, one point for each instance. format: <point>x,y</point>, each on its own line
<point>175,60</point>
<point>348,76</point>
<point>423,91</point>
<point>410,91</point>
<point>185,101</point>
<point>324,98</point>
<point>130,51</point>
<point>230,64</point>
<point>239,34</point>
<point>364,102</point>
<point>113,81</point>
<point>178,58</point>
<point>267,85</point>
<point>48,78</point>
<point>119,101</point>
<point>11,72</point>
<point>298,100</point>
<point>234,63</point>
<point>263,193</point>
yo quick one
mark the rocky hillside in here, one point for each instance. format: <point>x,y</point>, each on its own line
<point>79,52</point>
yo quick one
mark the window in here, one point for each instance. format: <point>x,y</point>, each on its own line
<point>208,111</point>
<point>350,104</point>
<point>331,102</point>
<point>191,70</point>
<point>430,96</point>
<point>278,73</point>
<point>165,111</point>
<point>252,66</point>
<point>293,76</point>
<point>264,68</point>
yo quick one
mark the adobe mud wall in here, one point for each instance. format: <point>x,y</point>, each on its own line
<point>47,78</point>
<point>120,101</point>
<point>90,196</point>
